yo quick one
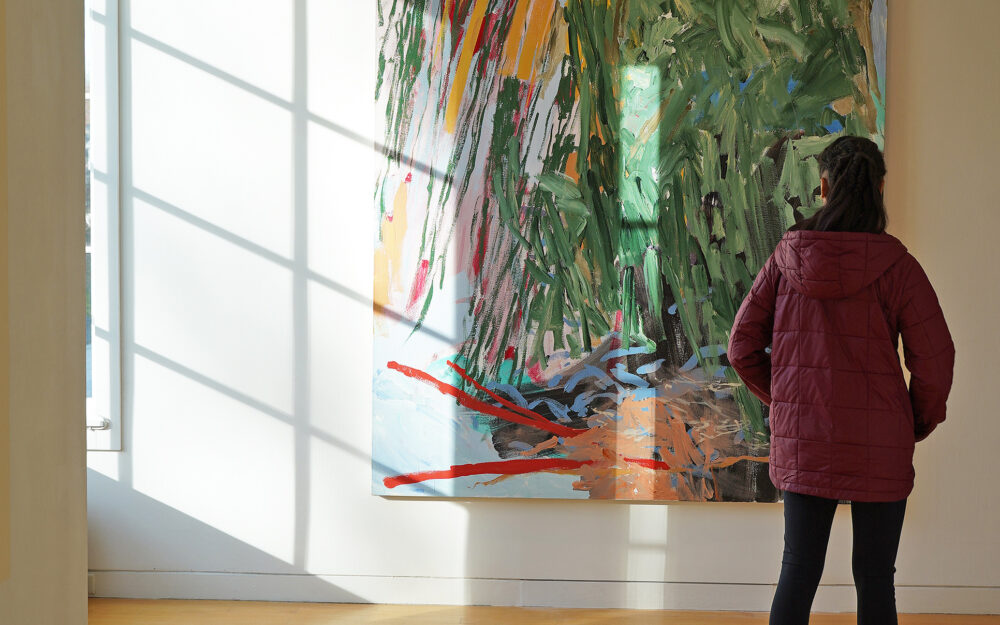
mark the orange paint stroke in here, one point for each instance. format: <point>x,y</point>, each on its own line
<point>512,45</point>
<point>659,465</point>
<point>537,28</point>
<point>571,169</point>
<point>464,61</point>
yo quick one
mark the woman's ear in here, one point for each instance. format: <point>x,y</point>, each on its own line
<point>881,186</point>
<point>824,188</point>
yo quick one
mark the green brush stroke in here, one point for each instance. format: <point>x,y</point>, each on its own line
<point>685,215</point>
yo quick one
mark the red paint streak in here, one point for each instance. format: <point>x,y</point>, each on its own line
<point>487,23</point>
<point>480,252</point>
<point>409,177</point>
<point>497,44</point>
<point>615,343</point>
<point>508,354</point>
<point>522,185</point>
<point>419,283</point>
<point>506,402</point>
<point>515,119</point>
<point>495,47</point>
<point>535,373</point>
<point>471,402</point>
<point>649,463</point>
<point>503,467</point>
<point>445,91</point>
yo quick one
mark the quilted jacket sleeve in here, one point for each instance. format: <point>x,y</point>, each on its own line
<point>928,351</point>
<point>751,333</point>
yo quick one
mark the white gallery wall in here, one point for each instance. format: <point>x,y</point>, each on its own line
<point>248,237</point>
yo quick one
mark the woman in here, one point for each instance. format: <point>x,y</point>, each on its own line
<point>832,302</point>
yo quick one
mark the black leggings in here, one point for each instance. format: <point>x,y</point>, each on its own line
<point>808,519</point>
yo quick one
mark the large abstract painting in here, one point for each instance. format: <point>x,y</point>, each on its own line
<point>573,198</point>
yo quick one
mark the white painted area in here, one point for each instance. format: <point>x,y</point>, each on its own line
<point>246,470</point>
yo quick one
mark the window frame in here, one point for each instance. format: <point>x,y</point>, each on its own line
<point>103,170</point>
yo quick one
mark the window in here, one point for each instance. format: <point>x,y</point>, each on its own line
<point>103,232</point>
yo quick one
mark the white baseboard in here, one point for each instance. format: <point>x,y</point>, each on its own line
<point>508,592</point>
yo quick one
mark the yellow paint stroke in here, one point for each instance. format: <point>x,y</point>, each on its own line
<point>388,256</point>
<point>867,110</point>
<point>581,264</point>
<point>512,45</point>
<point>860,12</point>
<point>844,105</point>
<point>380,298</point>
<point>445,13</point>
<point>534,41</point>
<point>596,120</point>
<point>464,61</point>
<point>529,39</point>
<point>549,63</point>
<point>652,125</point>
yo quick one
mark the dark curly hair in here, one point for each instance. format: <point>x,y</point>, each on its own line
<point>854,168</point>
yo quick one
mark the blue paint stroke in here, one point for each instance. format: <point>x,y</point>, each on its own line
<point>510,390</point>
<point>625,351</point>
<point>834,126</point>
<point>673,307</point>
<point>629,378</point>
<point>650,367</point>
<point>589,371</point>
<point>640,394</point>
<point>706,351</point>
<point>558,408</point>
<point>584,399</point>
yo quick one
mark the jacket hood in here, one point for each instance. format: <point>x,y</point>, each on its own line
<point>832,265</point>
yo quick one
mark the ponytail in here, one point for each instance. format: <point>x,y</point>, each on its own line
<point>854,169</point>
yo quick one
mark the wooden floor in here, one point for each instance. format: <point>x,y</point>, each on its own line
<point>148,612</point>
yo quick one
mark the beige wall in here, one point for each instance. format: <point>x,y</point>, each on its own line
<point>4,330</point>
<point>941,146</point>
<point>43,56</point>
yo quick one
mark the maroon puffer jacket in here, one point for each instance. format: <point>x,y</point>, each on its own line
<point>832,305</point>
